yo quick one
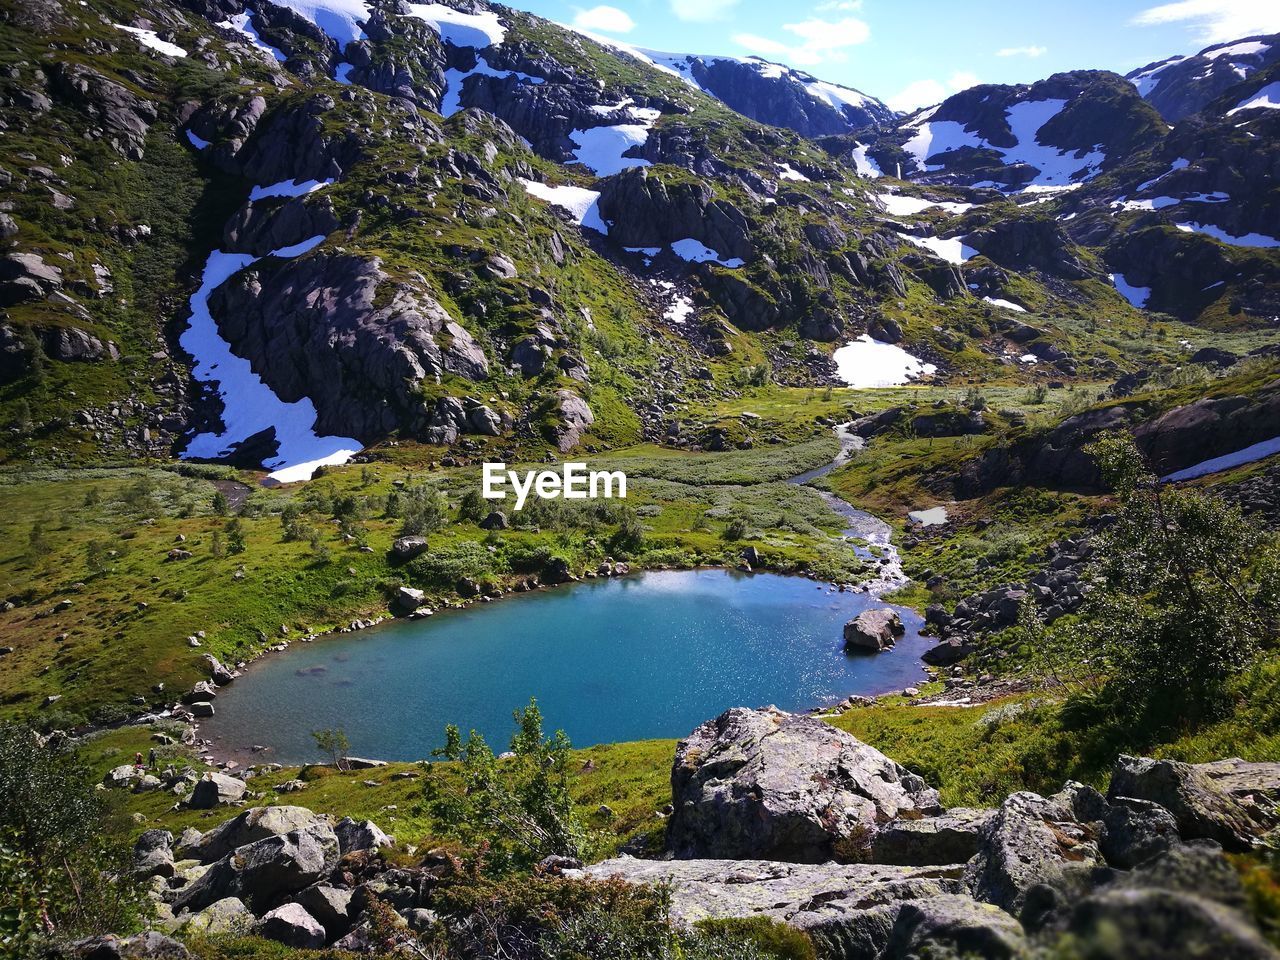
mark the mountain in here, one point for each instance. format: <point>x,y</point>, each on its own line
<point>1181,86</point>
<point>778,95</point>
<point>334,224</point>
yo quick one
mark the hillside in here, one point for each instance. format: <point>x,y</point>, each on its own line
<point>999,377</point>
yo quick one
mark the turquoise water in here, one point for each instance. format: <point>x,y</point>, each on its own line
<point>652,655</point>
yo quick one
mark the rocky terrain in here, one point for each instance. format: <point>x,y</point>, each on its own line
<point>782,816</point>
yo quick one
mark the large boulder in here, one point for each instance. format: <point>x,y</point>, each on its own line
<point>767,784</point>
<point>263,873</point>
<point>292,926</point>
<point>1193,796</point>
<point>249,827</point>
<point>1159,924</point>
<point>873,630</point>
<point>225,916</point>
<point>360,835</point>
<point>330,905</point>
<point>153,854</point>
<point>955,926</point>
<point>1029,841</point>
<point>140,946</point>
<point>215,789</point>
<point>950,837</point>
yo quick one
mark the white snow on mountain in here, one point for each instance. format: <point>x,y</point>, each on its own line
<point>249,406</point>
<point>1248,240</point>
<point>866,363</point>
<point>340,19</point>
<point>1005,304</point>
<point>581,203</point>
<point>149,38</point>
<point>1249,454</point>
<point>243,23</point>
<point>1268,97</point>
<point>197,142</point>
<point>451,101</point>
<point>478,30</point>
<point>864,165</point>
<point>1056,167</point>
<point>899,206</point>
<point>1137,296</point>
<point>601,149</point>
<point>696,252</point>
<point>953,250</point>
<point>288,188</point>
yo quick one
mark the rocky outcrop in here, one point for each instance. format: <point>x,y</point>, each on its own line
<point>572,418</point>
<point>261,226</point>
<point>765,784</point>
<point>116,115</point>
<point>1029,242</point>
<point>1231,801</point>
<point>829,901</point>
<point>216,789</point>
<point>337,329</point>
<point>264,872</point>
<point>647,210</point>
<point>1209,428</point>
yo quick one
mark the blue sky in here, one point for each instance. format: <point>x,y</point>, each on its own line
<point>916,52</point>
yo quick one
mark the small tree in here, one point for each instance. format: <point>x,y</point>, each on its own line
<point>736,530</point>
<point>518,808</point>
<point>474,507</point>
<point>334,744</point>
<point>235,536</point>
<point>1182,593</point>
<point>64,863</point>
<point>221,506</point>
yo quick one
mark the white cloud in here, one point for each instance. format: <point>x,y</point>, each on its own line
<point>1027,51</point>
<point>820,40</point>
<point>921,93</point>
<point>604,19</point>
<point>702,11</point>
<point>1216,20</point>
<point>843,6</point>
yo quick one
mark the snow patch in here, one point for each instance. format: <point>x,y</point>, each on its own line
<point>249,405</point>
<point>953,250</point>
<point>1055,167</point>
<point>899,206</point>
<point>243,23</point>
<point>581,203</point>
<point>341,73</point>
<point>149,38</point>
<point>288,188</point>
<point>680,310</point>
<point>868,363</point>
<point>788,172</point>
<point>601,149</point>
<point>1248,240</point>
<point>863,165</point>
<point>340,19</point>
<point>198,142</point>
<point>477,30</point>
<point>696,252</point>
<point>451,100</point>
<point>1005,304</point>
<point>928,518</point>
<point>1137,296</point>
<point>1248,455</point>
<point>1268,98</point>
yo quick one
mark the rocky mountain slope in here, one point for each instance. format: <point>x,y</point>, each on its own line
<point>1181,86</point>
<point>329,226</point>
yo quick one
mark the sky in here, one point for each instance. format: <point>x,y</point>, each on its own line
<point>911,53</point>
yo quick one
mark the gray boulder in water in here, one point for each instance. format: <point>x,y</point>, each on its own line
<point>772,785</point>
<point>873,630</point>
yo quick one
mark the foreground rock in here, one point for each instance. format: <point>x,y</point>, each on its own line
<point>770,785</point>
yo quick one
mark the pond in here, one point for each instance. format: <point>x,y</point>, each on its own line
<point>644,656</point>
